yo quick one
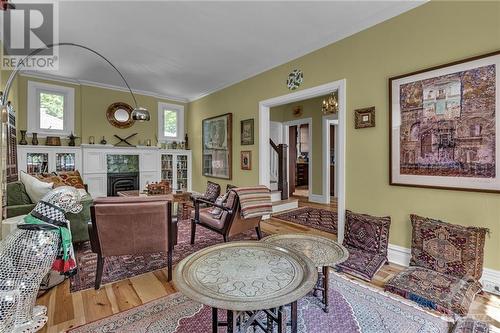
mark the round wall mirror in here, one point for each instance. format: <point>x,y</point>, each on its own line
<point>120,115</point>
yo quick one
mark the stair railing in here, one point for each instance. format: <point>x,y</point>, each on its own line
<point>282,152</point>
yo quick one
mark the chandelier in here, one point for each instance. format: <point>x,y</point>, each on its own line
<point>330,104</point>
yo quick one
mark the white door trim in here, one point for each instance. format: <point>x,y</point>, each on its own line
<point>286,140</point>
<point>264,147</point>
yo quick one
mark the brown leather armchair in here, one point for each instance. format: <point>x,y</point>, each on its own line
<point>230,222</point>
<point>131,225</point>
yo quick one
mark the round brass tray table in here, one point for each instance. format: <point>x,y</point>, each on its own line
<point>247,279</point>
<point>323,252</point>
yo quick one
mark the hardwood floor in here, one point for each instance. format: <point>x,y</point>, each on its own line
<point>66,310</point>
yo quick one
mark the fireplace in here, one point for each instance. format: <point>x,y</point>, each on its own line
<point>123,173</point>
<point>122,181</point>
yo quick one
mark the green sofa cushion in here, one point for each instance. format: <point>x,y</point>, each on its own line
<point>16,194</point>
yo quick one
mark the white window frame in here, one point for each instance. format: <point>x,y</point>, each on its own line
<point>179,109</point>
<point>34,90</point>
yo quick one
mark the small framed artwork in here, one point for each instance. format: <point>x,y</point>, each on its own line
<point>444,126</point>
<point>246,160</point>
<point>364,118</point>
<point>247,137</point>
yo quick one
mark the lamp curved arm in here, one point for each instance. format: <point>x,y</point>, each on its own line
<point>35,52</point>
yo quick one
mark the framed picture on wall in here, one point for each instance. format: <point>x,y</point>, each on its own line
<point>246,160</point>
<point>364,118</point>
<point>217,146</point>
<point>246,133</point>
<point>444,126</point>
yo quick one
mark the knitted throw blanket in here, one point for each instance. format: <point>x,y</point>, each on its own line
<point>254,201</point>
<point>46,216</point>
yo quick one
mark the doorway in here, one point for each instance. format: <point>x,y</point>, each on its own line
<point>264,147</point>
<point>299,157</point>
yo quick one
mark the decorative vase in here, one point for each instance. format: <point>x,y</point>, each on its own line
<point>34,139</point>
<point>103,141</point>
<point>23,138</point>
<point>186,141</point>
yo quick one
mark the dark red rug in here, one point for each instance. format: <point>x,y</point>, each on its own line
<point>321,219</point>
<point>124,267</point>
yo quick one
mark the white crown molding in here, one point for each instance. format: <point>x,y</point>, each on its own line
<point>62,79</point>
<point>398,8</point>
<point>401,256</point>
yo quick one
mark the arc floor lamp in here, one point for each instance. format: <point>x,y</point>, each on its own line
<point>139,113</point>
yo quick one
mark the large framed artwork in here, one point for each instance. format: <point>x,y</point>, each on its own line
<point>217,146</point>
<point>444,126</point>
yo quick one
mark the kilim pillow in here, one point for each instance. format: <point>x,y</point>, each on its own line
<point>216,211</point>
<point>56,180</point>
<point>72,178</point>
<point>366,232</point>
<point>447,248</point>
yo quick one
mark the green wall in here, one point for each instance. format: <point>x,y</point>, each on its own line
<point>91,104</point>
<point>432,34</point>
<point>311,108</point>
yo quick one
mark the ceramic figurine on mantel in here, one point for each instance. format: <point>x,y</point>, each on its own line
<point>34,139</point>
<point>23,138</point>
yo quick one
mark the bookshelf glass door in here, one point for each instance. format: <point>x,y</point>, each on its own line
<point>182,172</point>
<point>65,162</point>
<point>167,169</point>
<point>37,163</point>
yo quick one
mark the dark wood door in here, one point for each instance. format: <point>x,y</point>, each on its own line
<point>292,164</point>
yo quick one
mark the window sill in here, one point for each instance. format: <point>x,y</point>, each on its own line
<point>42,134</point>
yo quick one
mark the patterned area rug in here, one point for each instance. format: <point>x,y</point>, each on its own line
<point>316,218</point>
<point>354,309</point>
<point>124,267</point>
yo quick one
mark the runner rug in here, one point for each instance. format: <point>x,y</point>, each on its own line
<point>321,219</point>
<point>354,308</point>
<point>124,267</point>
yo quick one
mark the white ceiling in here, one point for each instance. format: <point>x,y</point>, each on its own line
<point>189,49</point>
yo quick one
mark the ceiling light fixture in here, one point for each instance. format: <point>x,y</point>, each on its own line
<point>330,105</point>
<point>139,113</point>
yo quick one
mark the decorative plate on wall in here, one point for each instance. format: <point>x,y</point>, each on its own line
<point>295,79</point>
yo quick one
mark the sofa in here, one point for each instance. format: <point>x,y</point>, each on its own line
<point>19,203</point>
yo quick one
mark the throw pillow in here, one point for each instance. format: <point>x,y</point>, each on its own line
<point>35,188</point>
<point>72,178</point>
<point>56,180</point>
<point>216,211</point>
<point>16,194</point>
<point>366,232</point>
<point>447,248</point>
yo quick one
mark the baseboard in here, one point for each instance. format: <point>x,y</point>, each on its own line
<point>318,198</point>
<point>401,256</point>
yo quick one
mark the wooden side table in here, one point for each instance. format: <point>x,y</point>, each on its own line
<point>323,252</point>
<point>246,279</point>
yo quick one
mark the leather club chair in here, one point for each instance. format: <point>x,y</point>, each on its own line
<point>131,226</point>
<point>230,222</point>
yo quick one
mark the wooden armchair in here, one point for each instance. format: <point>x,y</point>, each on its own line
<point>227,223</point>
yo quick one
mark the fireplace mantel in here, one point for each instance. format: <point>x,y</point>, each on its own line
<point>91,161</point>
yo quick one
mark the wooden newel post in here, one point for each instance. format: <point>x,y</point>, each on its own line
<point>282,174</point>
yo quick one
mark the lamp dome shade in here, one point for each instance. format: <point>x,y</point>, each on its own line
<point>141,114</point>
